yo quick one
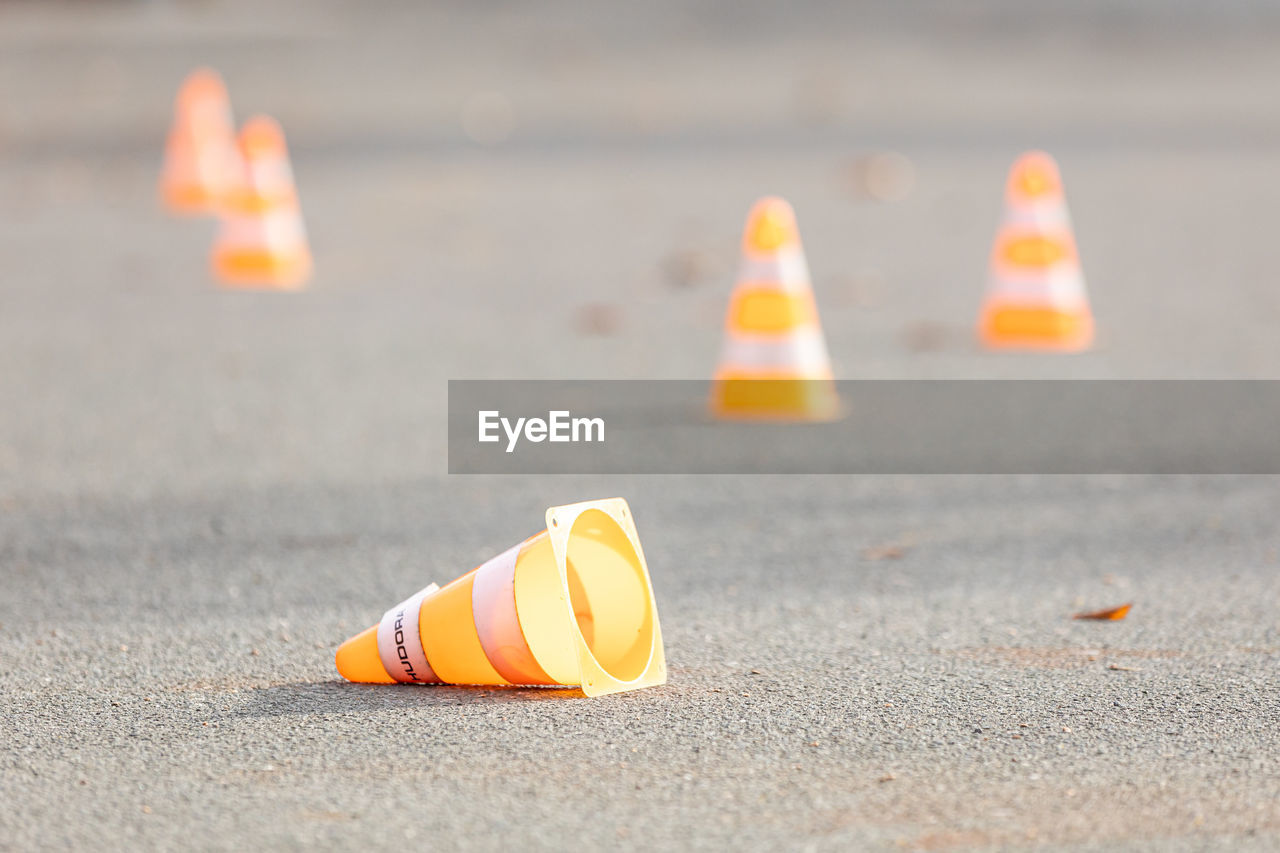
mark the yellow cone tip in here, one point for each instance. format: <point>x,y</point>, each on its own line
<point>771,226</point>
<point>203,83</point>
<point>1035,176</point>
<point>261,137</point>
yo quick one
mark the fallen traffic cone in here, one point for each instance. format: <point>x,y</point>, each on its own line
<point>1036,296</point>
<point>200,161</point>
<point>569,606</point>
<point>774,362</point>
<point>263,242</point>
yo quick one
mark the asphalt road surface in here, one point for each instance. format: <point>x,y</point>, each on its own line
<point>202,493</point>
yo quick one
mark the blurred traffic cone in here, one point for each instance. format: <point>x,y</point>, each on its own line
<point>262,242</point>
<point>200,161</point>
<point>569,606</point>
<point>1036,296</point>
<point>774,362</point>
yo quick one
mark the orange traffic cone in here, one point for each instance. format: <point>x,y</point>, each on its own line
<point>571,606</point>
<point>1036,296</point>
<point>263,242</point>
<point>774,362</point>
<point>200,162</point>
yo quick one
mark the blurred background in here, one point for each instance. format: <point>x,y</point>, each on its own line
<point>557,191</point>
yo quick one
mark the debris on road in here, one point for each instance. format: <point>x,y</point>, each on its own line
<point>889,551</point>
<point>690,267</point>
<point>1111,614</point>
<point>884,176</point>
<point>598,319</point>
<point>925,337</point>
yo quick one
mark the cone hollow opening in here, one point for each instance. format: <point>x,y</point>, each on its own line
<point>609,595</point>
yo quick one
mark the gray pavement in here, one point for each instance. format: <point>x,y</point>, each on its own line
<point>202,493</point>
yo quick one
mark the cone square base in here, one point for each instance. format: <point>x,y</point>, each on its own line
<point>775,399</point>
<point>262,270</point>
<point>647,665</point>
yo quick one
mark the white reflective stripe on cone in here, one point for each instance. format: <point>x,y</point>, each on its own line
<point>272,176</point>
<point>1038,215</point>
<point>242,232</point>
<point>400,644</point>
<point>277,229</point>
<point>1048,302</point>
<point>218,166</point>
<point>803,350</point>
<point>194,163</point>
<point>1057,287</point>
<point>493,604</point>
<point>285,228</point>
<point>785,270</point>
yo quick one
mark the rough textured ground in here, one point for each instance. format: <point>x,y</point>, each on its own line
<point>202,493</point>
